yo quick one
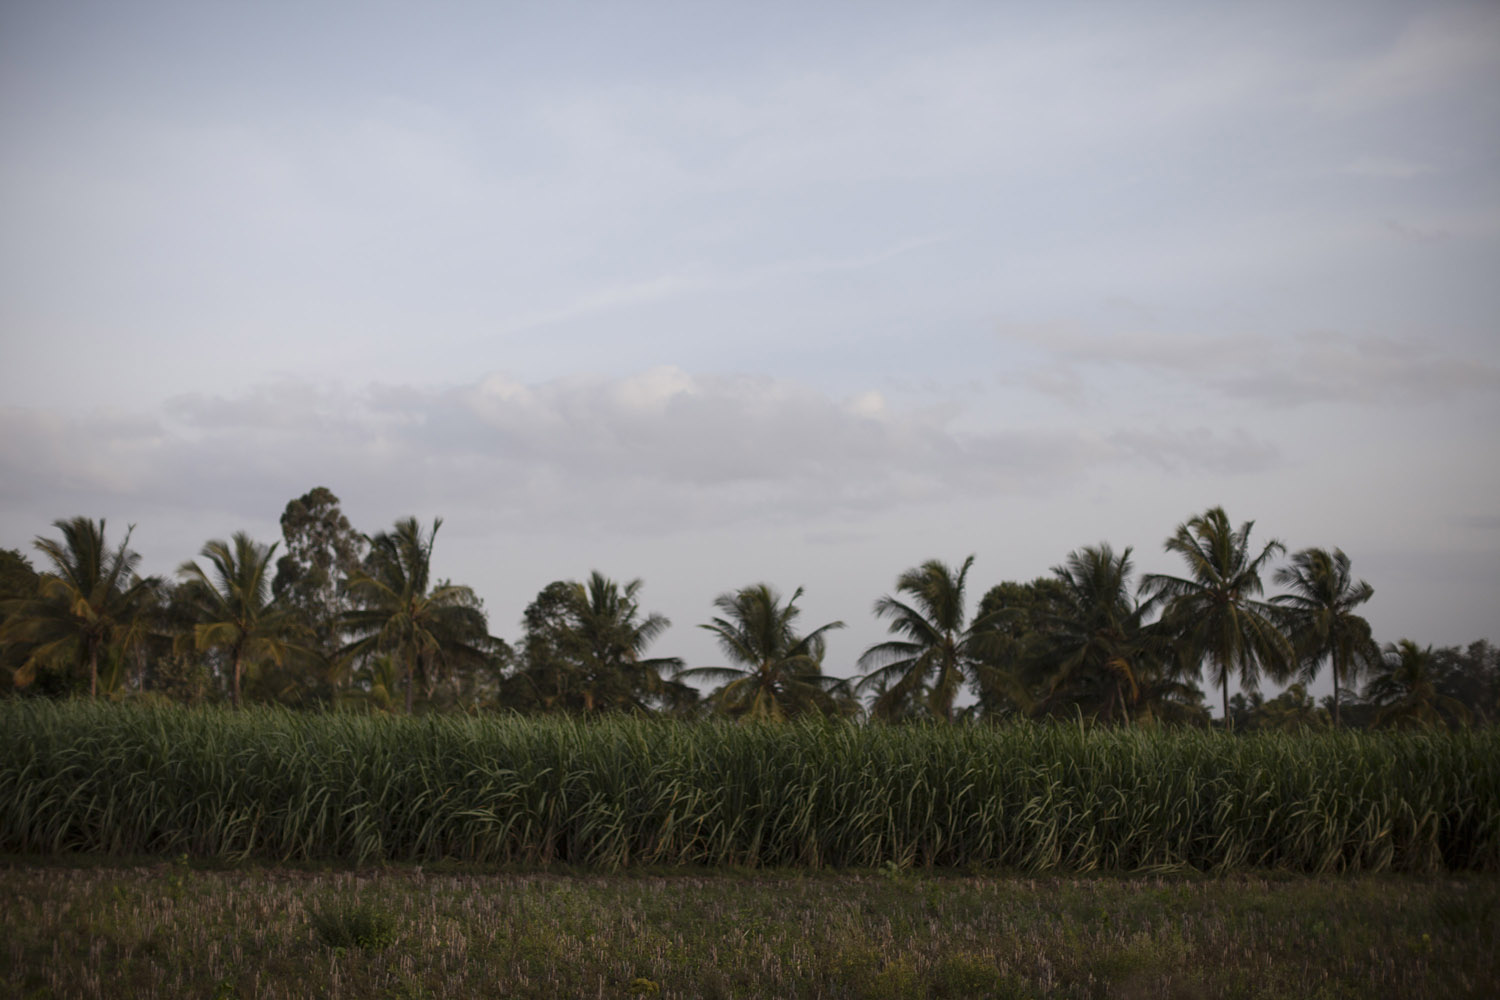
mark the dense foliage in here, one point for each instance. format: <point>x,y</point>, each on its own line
<point>354,621</point>
<point>626,791</point>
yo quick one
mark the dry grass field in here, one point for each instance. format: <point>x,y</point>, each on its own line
<point>93,928</point>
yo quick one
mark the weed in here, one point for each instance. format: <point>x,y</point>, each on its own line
<point>355,925</point>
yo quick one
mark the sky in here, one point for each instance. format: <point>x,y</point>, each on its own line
<point>715,294</point>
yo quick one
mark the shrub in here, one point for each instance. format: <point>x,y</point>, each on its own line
<point>355,925</point>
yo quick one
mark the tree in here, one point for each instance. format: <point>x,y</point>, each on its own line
<point>1405,692</point>
<point>937,653</point>
<point>610,637</point>
<point>1243,709</point>
<point>427,630</point>
<point>175,669</point>
<point>1321,619</point>
<point>1019,621</point>
<point>1099,655</point>
<point>18,584</point>
<point>780,672</point>
<point>90,606</point>
<point>547,678</point>
<point>1289,711</point>
<point>1471,676</point>
<point>585,648</point>
<point>232,608</point>
<point>18,580</point>
<point>1213,611</point>
<point>322,552</point>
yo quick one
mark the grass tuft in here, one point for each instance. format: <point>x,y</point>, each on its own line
<point>354,925</point>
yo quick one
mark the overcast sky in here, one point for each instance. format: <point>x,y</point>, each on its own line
<point>803,293</point>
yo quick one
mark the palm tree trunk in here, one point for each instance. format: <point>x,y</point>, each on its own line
<point>93,670</point>
<point>235,689</point>
<point>1335,691</point>
<point>1228,722</point>
<point>411,686</point>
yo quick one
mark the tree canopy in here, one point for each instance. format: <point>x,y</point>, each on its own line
<point>358,621</point>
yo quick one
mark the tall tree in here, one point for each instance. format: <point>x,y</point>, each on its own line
<point>232,607</point>
<point>322,552</point>
<point>174,666</point>
<point>585,647</point>
<point>1321,618</point>
<point>1095,655</point>
<point>780,672</point>
<point>89,606</point>
<point>1020,621</point>
<point>1292,710</point>
<point>428,630</point>
<point>1405,691</point>
<point>1214,612</point>
<point>18,584</point>
<point>1099,654</point>
<point>937,652</point>
<point>548,678</point>
<point>610,636</point>
<point>1470,675</point>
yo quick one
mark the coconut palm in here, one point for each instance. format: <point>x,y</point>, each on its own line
<point>936,653</point>
<point>1321,620</point>
<point>427,630</point>
<point>1095,649</point>
<point>780,672</point>
<point>1213,612</point>
<point>91,605</point>
<point>1290,711</point>
<point>232,609</point>
<point>1405,691</point>
<point>595,640</point>
<point>1098,655</point>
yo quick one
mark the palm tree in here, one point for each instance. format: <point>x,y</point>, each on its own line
<point>781,672</point>
<point>1405,692</point>
<point>1292,710</point>
<point>396,613</point>
<point>1321,619</point>
<point>381,683</point>
<point>232,608</point>
<point>605,637</point>
<point>1098,654</point>
<point>937,654</point>
<point>90,605</point>
<point>1213,612</point>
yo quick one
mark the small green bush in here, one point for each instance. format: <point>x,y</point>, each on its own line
<point>355,925</point>
<point>968,977</point>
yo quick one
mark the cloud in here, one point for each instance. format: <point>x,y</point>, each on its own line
<point>1435,53</point>
<point>1320,367</point>
<point>650,452</point>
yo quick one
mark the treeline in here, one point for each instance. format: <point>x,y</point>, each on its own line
<point>329,617</point>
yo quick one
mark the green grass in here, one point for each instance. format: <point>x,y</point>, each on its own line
<point>171,929</point>
<point>114,780</point>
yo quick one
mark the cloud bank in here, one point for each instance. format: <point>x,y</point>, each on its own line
<point>648,452</point>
